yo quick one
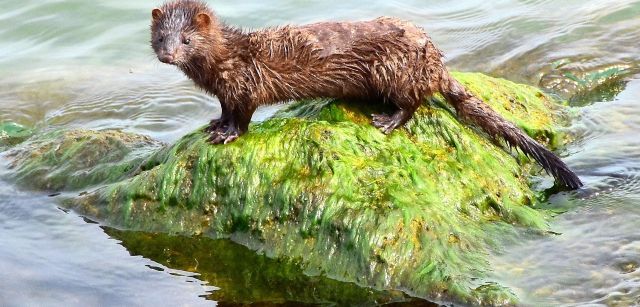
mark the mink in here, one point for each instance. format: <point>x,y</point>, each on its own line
<point>385,60</point>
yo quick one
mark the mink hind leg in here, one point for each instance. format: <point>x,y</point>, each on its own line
<point>387,123</point>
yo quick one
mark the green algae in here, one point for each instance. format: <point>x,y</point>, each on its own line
<point>583,87</point>
<point>417,210</point>
<point>12,133</point>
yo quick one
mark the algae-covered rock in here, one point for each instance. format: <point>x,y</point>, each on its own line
<point>12,133</point>
<point>68,160</point>
<point>416,210</point>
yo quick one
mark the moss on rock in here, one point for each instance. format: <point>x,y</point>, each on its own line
<point>417,210</point>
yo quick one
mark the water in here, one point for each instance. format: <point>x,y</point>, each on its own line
<point>596,259</point>
<point>88,64</point>
<point>50,257</point>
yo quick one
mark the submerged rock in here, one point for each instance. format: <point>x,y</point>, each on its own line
<point>12,133</point>
<point>417,210</point>
<point>69,160</point>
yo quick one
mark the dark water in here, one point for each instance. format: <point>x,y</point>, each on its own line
<point>88,64</point>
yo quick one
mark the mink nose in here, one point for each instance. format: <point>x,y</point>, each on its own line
<point>166,58</point>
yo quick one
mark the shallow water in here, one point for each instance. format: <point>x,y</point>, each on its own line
<point>596,257</point>
<point>88,64</point>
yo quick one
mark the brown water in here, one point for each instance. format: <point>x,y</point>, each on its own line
<point>88,64</point>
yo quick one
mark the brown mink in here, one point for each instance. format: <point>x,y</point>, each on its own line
<point>382,60</point>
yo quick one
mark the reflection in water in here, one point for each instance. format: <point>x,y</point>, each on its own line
<point>243,276</point>
<point>88,64</point>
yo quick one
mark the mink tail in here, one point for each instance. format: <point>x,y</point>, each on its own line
<point>475,111</point>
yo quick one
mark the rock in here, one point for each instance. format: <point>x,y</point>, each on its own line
<point>75,159</point>
<point>12,133</point>
<point>417,210</point>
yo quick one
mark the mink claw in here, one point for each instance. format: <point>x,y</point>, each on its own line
<point>224,137</point>
<point>382,122</point>
<point>215,138</point>
<point>231,138</point>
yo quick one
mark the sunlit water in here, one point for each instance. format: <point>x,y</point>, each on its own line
<point>87,64</point>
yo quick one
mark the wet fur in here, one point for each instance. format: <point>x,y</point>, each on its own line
<point>382,60</point>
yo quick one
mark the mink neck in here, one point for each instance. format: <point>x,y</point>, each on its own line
<point>225,45</point>
<point>226,49</point>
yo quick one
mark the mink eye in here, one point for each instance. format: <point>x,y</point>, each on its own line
<point>161,39</point>
<point>186,41</point>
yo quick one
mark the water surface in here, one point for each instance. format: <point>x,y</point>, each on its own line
<point>79,64</point>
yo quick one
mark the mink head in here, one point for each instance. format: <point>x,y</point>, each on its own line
<point>181,30</point>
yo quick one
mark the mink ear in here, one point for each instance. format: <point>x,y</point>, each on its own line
<point>203,21</point>
<point>156,14</point>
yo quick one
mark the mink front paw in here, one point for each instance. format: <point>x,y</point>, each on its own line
<point>220,136</point>
<point>216,124</point>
